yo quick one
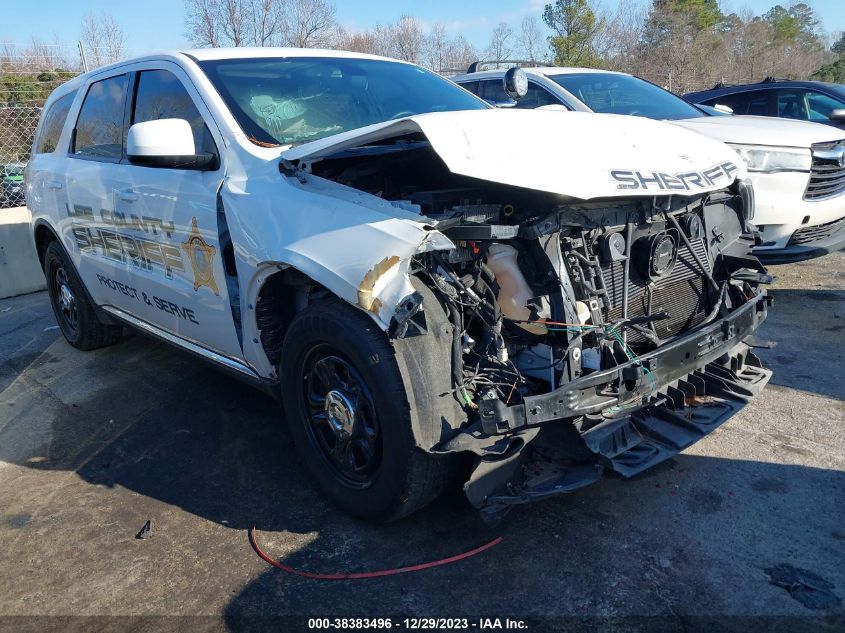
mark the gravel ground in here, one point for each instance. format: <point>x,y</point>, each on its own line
<point>92,445</point>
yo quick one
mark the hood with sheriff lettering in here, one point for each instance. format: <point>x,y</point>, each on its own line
<point>580,155</point>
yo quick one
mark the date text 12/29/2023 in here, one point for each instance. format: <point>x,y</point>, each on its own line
<point>425,624</point>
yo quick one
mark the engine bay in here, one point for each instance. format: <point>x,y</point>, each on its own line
<point>542,290</point>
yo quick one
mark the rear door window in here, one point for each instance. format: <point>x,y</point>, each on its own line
<point>494,91</point>
<point>472,86</point>
<point>53,124</point>
<point>752,102</point>
<point>99,128</point>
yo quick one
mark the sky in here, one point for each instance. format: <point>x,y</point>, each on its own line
<point>156,24</point>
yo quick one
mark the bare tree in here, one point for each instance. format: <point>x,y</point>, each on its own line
<point>436,45</point>
<point>203,22</point>
<point>407,39</point>
<point>500,43</point>
<point>445,53</point>
<point>300,23</point>
<point>102,38</point>
<point>620,42</point>
<point>266,20</point>
<point>235,21</point>
<point>532,44</point>
<point>358,41</point>
<point>308,23</point>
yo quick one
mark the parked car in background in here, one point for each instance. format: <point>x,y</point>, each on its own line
<point>815,101</point>
<point>12,185</point>
<point>797,167</point>
<point>423,280</point>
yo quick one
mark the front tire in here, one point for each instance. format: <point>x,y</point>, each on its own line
<point>74,312</point>
<point>348,413</point>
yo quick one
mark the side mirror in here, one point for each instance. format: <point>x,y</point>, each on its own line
<point>516,83</point>
<point>723,108</point>
<point>167,143</point>
<point>837,115</point>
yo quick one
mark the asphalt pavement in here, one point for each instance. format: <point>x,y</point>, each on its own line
<point>749,523</point>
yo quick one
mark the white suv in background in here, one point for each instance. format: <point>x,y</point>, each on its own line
<point>797,167</point>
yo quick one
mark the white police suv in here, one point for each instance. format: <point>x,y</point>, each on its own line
<point>422,279</point>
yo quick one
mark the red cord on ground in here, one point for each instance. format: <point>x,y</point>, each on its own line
<point>366,574</point>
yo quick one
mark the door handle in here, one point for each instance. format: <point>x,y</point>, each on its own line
<point>127,195</point>
<point>54,184</point>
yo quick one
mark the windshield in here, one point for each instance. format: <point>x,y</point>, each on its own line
<point>623,94</point>
<point>288,101</point>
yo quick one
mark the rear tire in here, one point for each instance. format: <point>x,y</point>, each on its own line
<point>74,312</point>
<point>348,412</point>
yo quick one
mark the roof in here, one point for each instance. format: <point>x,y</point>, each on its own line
<point>206,54</point>
<point>766,84</point>
<point>537,70</point>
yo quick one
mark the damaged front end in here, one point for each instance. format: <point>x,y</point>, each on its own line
<point>583,335</point>
<point>596,337</point>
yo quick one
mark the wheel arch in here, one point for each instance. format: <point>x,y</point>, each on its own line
<point>43,233</point>
<point>277,290</point>
<point>436,414</point>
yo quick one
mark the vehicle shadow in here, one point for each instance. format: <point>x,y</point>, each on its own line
<point>691,538</point>
<point>808,328</point>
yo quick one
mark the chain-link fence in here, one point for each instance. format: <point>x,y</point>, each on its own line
<point>28,74</point>
<point>17,128</point>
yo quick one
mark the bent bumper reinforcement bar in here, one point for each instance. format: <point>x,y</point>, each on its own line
<point>668,363</point>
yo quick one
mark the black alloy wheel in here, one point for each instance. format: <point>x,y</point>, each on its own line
<point>67,303</point>
<point>343,420</point>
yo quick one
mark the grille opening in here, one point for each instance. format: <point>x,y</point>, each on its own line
<point>812,234</point>
<point>827,178</point>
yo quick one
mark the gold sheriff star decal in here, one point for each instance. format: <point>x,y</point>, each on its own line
<point>201,255</point>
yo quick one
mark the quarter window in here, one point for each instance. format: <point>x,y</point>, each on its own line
<point>161,95</point>
<point>53,124</point>
<point>99,128</point>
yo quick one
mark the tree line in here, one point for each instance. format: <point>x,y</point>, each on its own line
<point>692,44</point>
<point>683,45</point>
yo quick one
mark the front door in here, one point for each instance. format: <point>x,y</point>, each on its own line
<point>172,214</point>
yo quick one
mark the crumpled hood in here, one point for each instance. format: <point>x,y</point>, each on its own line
<point>579,154</point>
<point>763,130</point>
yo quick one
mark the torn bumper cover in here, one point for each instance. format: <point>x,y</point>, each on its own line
<point>526,452</point>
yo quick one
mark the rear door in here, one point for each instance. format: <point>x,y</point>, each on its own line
<point>94,155</point>
<point>45,172</point>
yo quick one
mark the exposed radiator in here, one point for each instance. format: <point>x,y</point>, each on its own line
<point>682,293</point>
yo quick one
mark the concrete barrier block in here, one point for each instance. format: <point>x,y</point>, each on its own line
<point>20,271</point>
